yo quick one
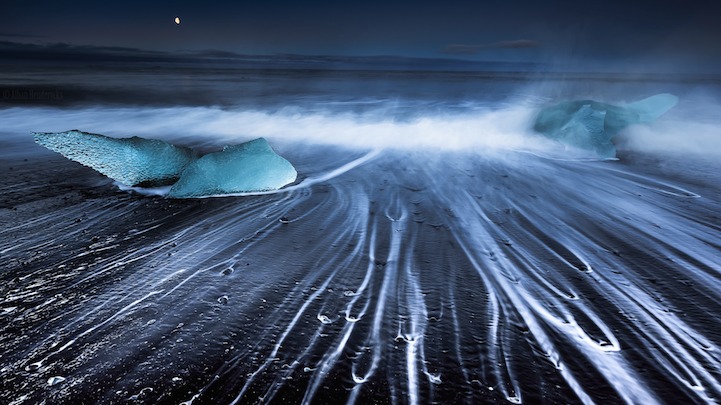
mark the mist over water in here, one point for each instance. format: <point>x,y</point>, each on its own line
<point>402,110</point>
<point>433,248</point>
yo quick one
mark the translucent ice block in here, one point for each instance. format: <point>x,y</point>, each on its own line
<point>247,167</point>
<point>588,124</point>
<point>133,161</point>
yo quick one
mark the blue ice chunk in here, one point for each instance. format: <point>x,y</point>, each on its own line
<point>653,107</point>
<point>133,161</point>
<point>590,125</point>
<point>247,167</point>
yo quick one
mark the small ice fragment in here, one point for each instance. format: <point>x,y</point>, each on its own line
<point>33,366</point>
<point>190,401</point>
<point>307,369</point>
<point>177,379</point>
<point>143,393</point>
<point>324,319</point>
<point>20,400</point>
<point>223,300</point>
<point>55,380</point>
<point>247,167</point>
<point>434,378</point>
<point>133,161</point>
<point>358,379</point>
<point>349,293</point>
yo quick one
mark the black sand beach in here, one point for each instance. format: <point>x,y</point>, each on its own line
<point>383,275</point>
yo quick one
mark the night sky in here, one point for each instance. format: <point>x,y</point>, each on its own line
<point>652,35</point>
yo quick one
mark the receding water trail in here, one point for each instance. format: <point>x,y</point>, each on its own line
<point>432,251</point>
<point>399,277</point>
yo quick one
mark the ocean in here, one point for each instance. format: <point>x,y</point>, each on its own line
<point>434,248</point>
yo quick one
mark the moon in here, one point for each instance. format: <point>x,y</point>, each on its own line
<point>177,20</point>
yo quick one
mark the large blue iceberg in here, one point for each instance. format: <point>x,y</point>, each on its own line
<point>590,125</point>
<point>133,161</point>
<point>247,167</point>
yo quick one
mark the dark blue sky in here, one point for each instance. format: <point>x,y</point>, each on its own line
<point>624,33</point>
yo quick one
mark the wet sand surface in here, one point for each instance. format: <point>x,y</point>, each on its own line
<point>409,278</point>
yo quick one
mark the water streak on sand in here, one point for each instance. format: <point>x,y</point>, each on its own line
<point>401,277</point>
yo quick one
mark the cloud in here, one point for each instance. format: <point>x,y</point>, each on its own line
<point>62,52</point>
<point>473,49</point>
<point>16,35</point>
<point>14,52</point>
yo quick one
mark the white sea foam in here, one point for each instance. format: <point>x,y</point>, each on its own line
<point>475,127</point>
<point>506,128</point>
